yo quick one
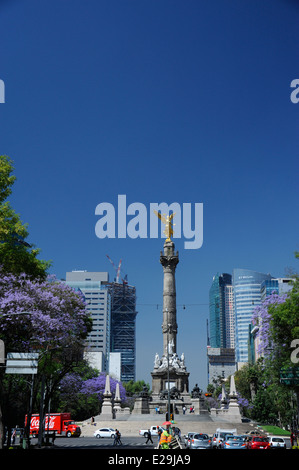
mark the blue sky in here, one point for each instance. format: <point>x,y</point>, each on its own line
<point>163,101</point>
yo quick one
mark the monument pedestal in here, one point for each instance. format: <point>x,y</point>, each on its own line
<point>141,406</point>
<point>178,377</point>
<point>178,384</point>
<point>199,406</point>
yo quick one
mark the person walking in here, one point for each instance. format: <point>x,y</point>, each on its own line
<point>117,440</point>
<point>149,436</point>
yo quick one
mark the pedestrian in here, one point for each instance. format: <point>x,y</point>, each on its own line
<point>149,437</point>
<point>177,432</point>
<point>117,440</point>
<point>184,409</point>
<point>292,438</point>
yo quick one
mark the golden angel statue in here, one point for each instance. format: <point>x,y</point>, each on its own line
<point>168,224</point>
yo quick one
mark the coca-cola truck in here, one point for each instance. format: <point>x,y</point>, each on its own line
<point>61,423</point>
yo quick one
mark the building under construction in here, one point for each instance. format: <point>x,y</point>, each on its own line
<point>122,326</point>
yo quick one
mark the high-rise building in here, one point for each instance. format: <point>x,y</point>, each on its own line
<point>123,327</point>
<point>247,295</point>
<point>111,344</point>
<point>280,286</point>
<point>220,351</point>
<point>93,287</point>
<point>221,311</point>
<point>229,316</point>
<point>221,363</point>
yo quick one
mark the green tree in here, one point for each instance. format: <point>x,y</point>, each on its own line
<point>284,324</point>
<point>6,177</point>
<point>260,383</point>
<point>16,255</point>
<point>132,388</point>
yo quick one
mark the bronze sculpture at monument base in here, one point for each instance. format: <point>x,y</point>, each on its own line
<point>171,368</point>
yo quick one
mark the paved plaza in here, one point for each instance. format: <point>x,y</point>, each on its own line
<point>130,425</point>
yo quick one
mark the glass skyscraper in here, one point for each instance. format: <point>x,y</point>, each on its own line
<point>247,295</point>
<point>218,303</point>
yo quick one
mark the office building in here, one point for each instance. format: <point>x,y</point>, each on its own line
<point>123,328</point>
<point>221,363</point>
<point>93,285</point>
<point>111,345</point>
<point>229,316</point>
<point>247,295</point>
<point>221,311</point>
<point>220,350</point>
<point>279,286</point>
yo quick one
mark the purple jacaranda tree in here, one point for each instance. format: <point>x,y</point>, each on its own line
<point>55,326</point>
<point>86,395</point>
<point>262,318</point>
<point>96,385</point>
<point>57,316</point>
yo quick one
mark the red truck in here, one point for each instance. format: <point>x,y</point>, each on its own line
<point>61,423</point>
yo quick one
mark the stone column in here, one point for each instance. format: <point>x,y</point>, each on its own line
<point>117,400</point>
<point>170,370</point>
<point>107,410</point>
<point>169,261</point>
<point>233,413</point>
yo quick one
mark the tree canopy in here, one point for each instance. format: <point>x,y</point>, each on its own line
<point>16,254</point>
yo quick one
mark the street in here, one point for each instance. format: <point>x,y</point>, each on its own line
<point>132,442</point>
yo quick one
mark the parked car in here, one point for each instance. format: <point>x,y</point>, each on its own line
<point>188,437</point>
<point>258,442</point>
<point>277,442</point>
<point>234,442</point>
<point>104,432</point>
<point>200,441</point>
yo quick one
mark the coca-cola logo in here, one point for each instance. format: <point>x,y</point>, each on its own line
<point>35,422</point>
<point>49,423</point>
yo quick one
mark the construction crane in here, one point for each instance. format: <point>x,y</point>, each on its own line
<point>117,269</point>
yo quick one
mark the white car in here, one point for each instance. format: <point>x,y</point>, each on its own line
<point>104,432</point>
<point>277,442</point>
